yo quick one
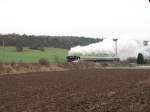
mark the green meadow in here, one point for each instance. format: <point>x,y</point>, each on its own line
<point>9,54</point>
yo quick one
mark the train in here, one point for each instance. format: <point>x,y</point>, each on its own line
<point>91,59</point>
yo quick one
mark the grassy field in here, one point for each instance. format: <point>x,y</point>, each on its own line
<point>10,54</point>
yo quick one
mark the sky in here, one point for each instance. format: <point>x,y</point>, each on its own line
<point>92,18</point>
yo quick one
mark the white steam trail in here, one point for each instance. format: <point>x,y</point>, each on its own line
<point>126,48</point>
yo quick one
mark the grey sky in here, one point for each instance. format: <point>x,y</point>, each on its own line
<point>93,18</point>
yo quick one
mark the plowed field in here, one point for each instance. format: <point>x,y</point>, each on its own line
<point>105,90</point>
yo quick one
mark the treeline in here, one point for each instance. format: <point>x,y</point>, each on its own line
<point>33,41</point>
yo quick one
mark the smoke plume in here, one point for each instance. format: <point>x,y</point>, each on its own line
<point>125,47</point>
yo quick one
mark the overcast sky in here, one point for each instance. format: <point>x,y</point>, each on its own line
<point>92,18</point>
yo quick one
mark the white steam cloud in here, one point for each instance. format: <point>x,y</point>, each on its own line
<point>126,48</point>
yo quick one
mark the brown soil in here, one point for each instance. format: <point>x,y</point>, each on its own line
<point>18,68</point>
<point>76,91</point>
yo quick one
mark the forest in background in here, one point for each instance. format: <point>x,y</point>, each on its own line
<point>33,41</point>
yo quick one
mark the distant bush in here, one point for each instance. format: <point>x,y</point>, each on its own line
<point>37,48</point>
<point>19,48</point>
<point>33,48</point>
<point>19,45</point>
<point>140,59</point>
<point>41,48</point>
<point>43,61</point>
